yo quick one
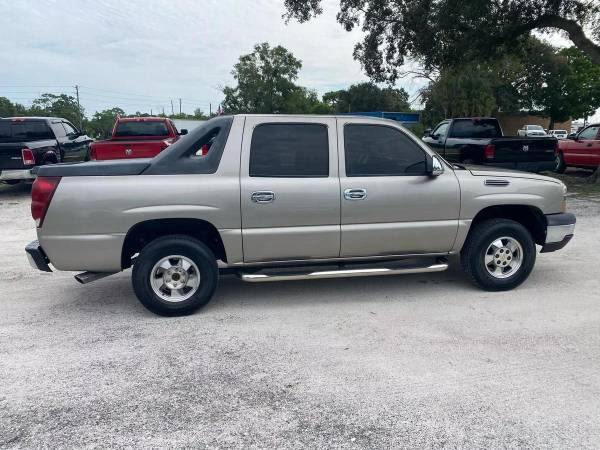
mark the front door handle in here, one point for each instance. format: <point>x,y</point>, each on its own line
<point>355,194</point>
<point>262,197</point>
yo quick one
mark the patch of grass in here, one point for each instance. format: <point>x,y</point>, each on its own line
<point>577,182</point>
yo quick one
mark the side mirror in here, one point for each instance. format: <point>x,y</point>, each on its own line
<point>435,167</point>
<point>74,135</point>
<point>427,132</point>
<point>183,132</point>
<point>572,136</point>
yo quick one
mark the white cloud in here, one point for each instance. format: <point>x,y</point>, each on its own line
<point>140,54</point>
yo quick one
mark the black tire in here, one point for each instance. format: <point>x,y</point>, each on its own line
<point>560,165</point>
<point>12,182</point>
<point>186,246</point>
<point>474,252</point>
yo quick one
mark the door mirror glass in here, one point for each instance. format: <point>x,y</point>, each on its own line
<point>427,132</point>
<point>183,131</point>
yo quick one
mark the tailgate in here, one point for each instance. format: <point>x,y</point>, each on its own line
<point>127,149</point>
<point>10,156</point>
<point>529,149</point>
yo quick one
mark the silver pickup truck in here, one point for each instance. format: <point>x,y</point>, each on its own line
<point>274,197</point>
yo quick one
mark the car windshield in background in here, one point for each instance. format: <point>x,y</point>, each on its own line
<point>129,129</point>
<point>23,131</point>
<point>535,128</point>
<point>469,128</point>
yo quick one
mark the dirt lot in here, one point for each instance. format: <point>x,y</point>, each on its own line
<point>413,361</point>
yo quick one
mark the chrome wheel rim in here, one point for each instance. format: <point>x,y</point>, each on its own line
<point>504,257</point>
<point>557,162</point>
<point>175,278</point>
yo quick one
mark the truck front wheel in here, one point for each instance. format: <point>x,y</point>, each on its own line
<point>175,275</point>
<point>499,254</point>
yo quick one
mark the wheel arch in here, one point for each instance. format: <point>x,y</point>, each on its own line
<point>531,217</point>
<point>142,233</point>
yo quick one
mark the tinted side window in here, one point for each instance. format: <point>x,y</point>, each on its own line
<point>589,133</point>
<point>475,129</point>
<point>5,131</point>
<point>70,129</point>
<point>441,130</point>
<point>289,150</point>
<point>58,129</point>
<point>377,150</point>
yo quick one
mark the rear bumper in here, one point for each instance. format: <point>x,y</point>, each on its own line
<point>36,256</point>
<point>559,231</point>
<point>20,174</point>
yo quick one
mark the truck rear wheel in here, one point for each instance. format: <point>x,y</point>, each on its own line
<point>559,163</point>
<point>499,254</point>
<point>175,275</point>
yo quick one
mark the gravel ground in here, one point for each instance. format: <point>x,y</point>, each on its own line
<point>405,362</point>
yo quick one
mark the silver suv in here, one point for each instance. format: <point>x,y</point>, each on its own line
<point>273,197</point>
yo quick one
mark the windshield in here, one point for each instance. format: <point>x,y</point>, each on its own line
<point>128,129</point>
<point>535,127</point>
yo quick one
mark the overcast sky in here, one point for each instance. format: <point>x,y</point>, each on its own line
<point>141,54</point>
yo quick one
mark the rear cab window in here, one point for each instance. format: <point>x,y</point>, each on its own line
<point>141,128</point>
<point>24,130</point>
<point>475,128</point>
<point>289,150</point>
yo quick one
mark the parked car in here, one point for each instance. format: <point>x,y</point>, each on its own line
<point>559,134</point>
<point>481,141</point>
<point>27,142</point>
<point>531,130</point>
<point>291,197</point>
<point>580,150</point>
<point>137,137</point>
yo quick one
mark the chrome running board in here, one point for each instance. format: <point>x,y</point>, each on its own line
<point>289,275</point>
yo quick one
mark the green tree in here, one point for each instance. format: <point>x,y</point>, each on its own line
<point>367,97</point>
<point>443,33</point>
<point>265,79</point>
<point>54,105</point>
<point>304,101</point>
<point>561,84</point>
<point>101,124</point>
<point>8,108</point>
<point>460,92</point>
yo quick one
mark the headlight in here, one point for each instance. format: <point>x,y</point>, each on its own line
<point>564,189</point>
<point>563,203</point>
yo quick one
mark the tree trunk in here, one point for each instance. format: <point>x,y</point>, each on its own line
<point>575,32</point>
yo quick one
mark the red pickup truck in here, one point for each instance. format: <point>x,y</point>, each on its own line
<point>580,150</point>
<point>136,137</point>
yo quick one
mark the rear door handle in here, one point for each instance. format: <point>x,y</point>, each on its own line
<point>262,197</point>
<point>355,194</point>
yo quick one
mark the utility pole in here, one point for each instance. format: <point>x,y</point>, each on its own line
<point>163,110</point>
<point>79,108</point>
<point>172,110</point>
<point>150,111</point>
<point>180,106</point>
<point>209,109</point>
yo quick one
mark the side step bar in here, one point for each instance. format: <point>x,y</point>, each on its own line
<point>266,275</point>
<point>88,277</point>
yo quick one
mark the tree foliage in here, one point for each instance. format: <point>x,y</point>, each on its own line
<point>265,79</point>
<point>538,79</point>
<point>442,33</point>
<point>367,97</point>
<point>57,105</point>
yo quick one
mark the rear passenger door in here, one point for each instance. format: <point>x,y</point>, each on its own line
<point>390,206</point>
<point>290,198</point>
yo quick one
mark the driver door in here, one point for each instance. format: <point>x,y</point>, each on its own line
<point>390,206</point>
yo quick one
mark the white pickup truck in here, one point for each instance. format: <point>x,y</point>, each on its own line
<point>274,197</point>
